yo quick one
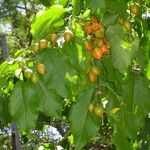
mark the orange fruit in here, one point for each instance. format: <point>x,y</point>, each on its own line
<point>95,27</point>
<point>97,53</point>
<point>92,77</point>
<point>88,46</point>
<point>95,20</point>
<point>88,30</point>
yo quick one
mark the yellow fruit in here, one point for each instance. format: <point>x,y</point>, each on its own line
<point>95,70</point>
<point>53,37</point>
<point>134,9</point>
<point>92,77</point>
<point>91,107</point>
<point>68,36</point>
<point>99,111</point>
<point>41,69</point>
<point>43,44</point>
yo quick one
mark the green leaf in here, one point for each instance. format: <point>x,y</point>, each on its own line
<point>83,124</point>
<point>48,21</point>
<point>23,105</point>
<point>136,93</point>
<point>132,124</point>
<point>119,139</point>
<point>76,6</point>
<point>117,7</point>
<point>120,54</point>
<point>134,100</point>
<point>95,5</point>
<point>4,111</point>
<point>62,2</point>
<point>50,103</point>
<point>56,71</point>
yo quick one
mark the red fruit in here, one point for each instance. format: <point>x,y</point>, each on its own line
<point>95,20</point>
<point>95,27</point>
<point>104,50</point>
<point>92,77</point>
<point>97,53</point>
<point>88,30</point>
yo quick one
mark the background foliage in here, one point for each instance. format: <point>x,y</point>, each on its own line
<point>60,98</point>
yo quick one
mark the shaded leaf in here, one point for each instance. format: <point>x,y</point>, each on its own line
<point>23,105</point>
<point>83,124</point>
<point>56,71</point>
<point>4,111</point>
<point>50,103</point>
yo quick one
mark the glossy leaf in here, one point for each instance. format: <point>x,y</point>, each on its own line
<point>48,21</point>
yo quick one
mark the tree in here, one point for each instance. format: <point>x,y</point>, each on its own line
<point>87,71</point>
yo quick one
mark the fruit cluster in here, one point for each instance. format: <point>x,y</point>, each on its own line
<point>93,73</point>
<point>29,74</point>
<point>43,43</point>
<point>134,10</point>
<point>96,109</point>
<point>97,43</point>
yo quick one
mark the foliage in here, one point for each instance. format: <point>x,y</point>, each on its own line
<point>65,89</point>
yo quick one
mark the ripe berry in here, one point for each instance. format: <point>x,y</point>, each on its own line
<point>95,27</point>
<point>95,20</point>
<point>97,53</point>
<point>88,30</point>
<point>104,50</point>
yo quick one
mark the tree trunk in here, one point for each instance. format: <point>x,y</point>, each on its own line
<point>15,133</point>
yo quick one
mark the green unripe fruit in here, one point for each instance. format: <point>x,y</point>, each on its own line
<point>35,78</point>
<point>28,73</point>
